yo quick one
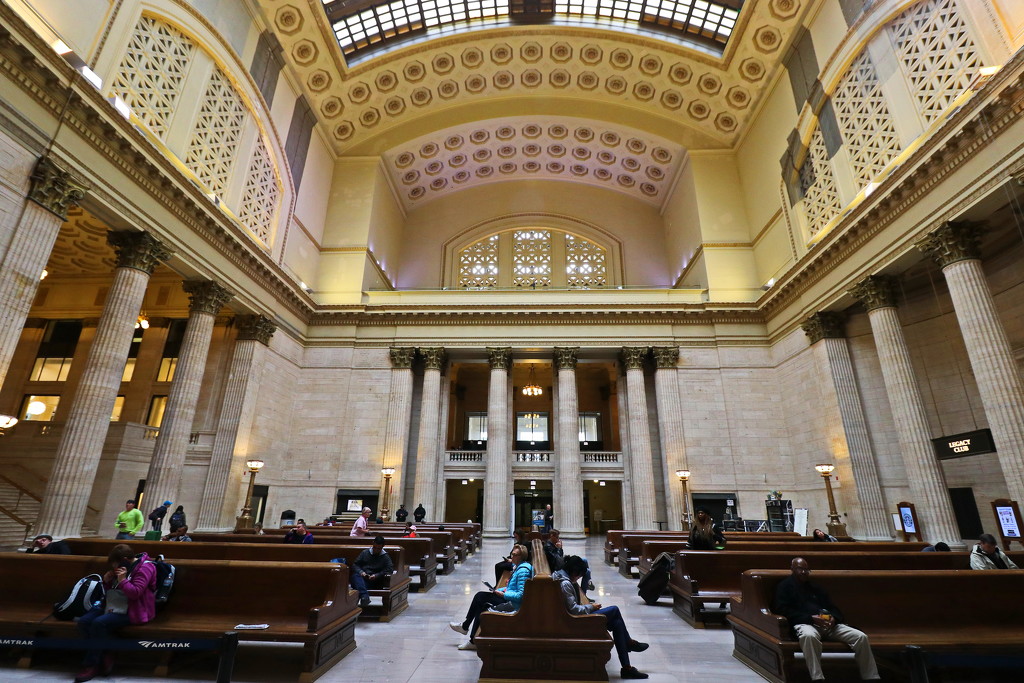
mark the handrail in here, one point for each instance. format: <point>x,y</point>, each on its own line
<point>16,518</point>
<point>30,494</point>
<point>21,488</point>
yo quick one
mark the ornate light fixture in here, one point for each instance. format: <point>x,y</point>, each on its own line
<point>143,323</point>
<point>245,520</point>
<point>388,472</point>
<point>684,477</point>
<point>835,525</point>
<point>6,422</point>
<point>532,388</point>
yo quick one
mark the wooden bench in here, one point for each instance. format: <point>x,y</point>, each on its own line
<point>464,534</point>
<point>443,543</point>
<point>460,542</point>
<point>419,551</point>
<point>394,596</point>
<point>963,611</point>
<point>613,540</point>
<point>311,603</point>
<point>711,577</point>
<point>542,641</point>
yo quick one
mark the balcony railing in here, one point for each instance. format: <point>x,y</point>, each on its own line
<point>599,458</point>
<point>613,457</point>
<point>466,456</point>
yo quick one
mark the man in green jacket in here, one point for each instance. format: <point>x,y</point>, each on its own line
<point>129,522</point>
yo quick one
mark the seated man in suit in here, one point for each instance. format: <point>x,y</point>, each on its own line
<point>814,618</point>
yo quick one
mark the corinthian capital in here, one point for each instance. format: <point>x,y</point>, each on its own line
<point>633,357</point>
<point>666,356</point>
<point>255,327</point>
<point>401,357</point>
<point>434,357</point>
<point>499,357</point>
<point>953,241</point>
<point>138,250</point>
<point>876,291</point>
<point>565,357</point>
<point>53,189</point>
<point>824,325</point>
<point>206,296</point>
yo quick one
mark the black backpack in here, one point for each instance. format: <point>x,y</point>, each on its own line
<point>86,592</point>
<point>164,580</point>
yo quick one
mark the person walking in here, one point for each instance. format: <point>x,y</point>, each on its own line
<point>129,522</point>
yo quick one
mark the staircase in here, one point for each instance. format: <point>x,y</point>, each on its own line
<point>19,509</point>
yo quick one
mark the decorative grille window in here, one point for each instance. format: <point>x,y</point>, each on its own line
<point>213,146</point>
<point>869,134</point>
<point>478,264</point>
<point>531,258</point>
<point>261,196</point>
<point>818,185</point>
<point>584,263</point>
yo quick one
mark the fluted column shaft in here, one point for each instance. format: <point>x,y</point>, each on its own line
<point>643,500</point>
<point>51,193</point>
<point>670,427</point>
<point>234,420</point>
<point>835,363</point>
<point>85,429</point>
<point>440,483</point>
<point>396,438</point>
<point>163,480</point>
<point>621,401</point>
<point>995,370</point>
<point>497,467</point>
<point>924,473</point>
<point>568,480</point>
<point>427,453</point>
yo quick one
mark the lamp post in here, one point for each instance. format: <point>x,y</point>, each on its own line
<point>388,472</point>
<point>6,422</point>
<point>245,520</point>
<point>835,526</point>
<point>684,477</point>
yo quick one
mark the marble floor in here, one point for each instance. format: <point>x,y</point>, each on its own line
<point>419,646</point>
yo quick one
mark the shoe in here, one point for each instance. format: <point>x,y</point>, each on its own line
<point>107,665</point>
<point>364,602</point>
<point>87,674</point>
<point>468,645</point>
<point>458,627</point>
<point>637,646</point>
<point>631,672</point>
<point>590,586</point>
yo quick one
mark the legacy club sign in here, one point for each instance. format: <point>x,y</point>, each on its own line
<point>963,445</point>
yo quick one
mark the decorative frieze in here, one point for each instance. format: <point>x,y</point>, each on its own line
<point>876,291</point>
<point>666,356</point>
<point>138,250</point>
<point>206,296</point>
<point>566,357</point>
<point>255,327</point>
<point>824,325</point>
<point>53,189</point>
<point>953,241</point>
<point>401,357</point>
<point>633,357</point>
<point>434,357</point>
<point>499,358</point>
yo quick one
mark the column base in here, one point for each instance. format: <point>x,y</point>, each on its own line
<point>572,535</point>
<point>495,533</point>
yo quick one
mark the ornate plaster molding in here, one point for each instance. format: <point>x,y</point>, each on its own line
<point>255,327</point>
<point>54,189</point>
<point>434,357</point>
<point>666,356</point>
<point>825,325</point>
<point>206,296</point>
<point>499,358</point>
<point>633,357</point>
<point>876,291</point>
<point>138,250</point>
<point>566,357</point>
<point>401,357</point>
<point>953,241</point>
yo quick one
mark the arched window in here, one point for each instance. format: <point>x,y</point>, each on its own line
<point>532,258</point>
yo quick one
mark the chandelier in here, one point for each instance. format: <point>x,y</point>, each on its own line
<point>532,389</point>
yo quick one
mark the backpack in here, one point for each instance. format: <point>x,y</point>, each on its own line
<point>177,519</point>
<point>655,582</point>
<point>164,580</point>
<point>86,592</point>
<point>157,513</point>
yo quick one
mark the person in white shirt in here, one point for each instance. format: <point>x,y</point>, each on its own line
<point>359,528</point>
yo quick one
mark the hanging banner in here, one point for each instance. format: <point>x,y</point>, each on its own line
<point>964,445</point>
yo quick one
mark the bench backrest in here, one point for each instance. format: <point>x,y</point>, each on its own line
<point>613,540</point>
<point>441,540</point>
<point>313,594</point>
<point>651,549</point>
<point>417,548</point>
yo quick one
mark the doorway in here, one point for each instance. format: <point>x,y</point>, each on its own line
<point>716,503</point>
<point>602,505</point>
<point>965,508</point>
<point>532,495</point>
<point>464,500</point>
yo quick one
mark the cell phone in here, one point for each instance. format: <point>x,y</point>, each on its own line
<point>487,584</point>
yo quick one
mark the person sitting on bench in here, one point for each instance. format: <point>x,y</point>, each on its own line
<point>371,570</point>
<point>814,618</point>
<point>509,597</point>
<point>987,555</point>
<point>569,576</point>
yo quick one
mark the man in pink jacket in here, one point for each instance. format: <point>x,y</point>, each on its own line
<point>130,599</point>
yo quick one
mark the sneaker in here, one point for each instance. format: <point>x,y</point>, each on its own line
<point>631,672</point>
<point>637,646</point>
<point>468,645</point>
<point>458,627</point>
<point>87,674</point>
<point>364,602</point>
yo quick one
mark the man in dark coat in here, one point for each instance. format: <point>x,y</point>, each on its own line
<point>401,514</point>
<point>419,514</point>
<point>371,570</point>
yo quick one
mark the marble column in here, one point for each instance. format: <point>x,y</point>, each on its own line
<point>396,438</point>
<point>850,446</point>
<point>642,469</point>
<point>440,483</point>
<point>670,427</point>
<point>51,193</point>
<point>85,429</point>
<point>163,480</point>
<point>955,247</point>
<point>622,403</point>
<point>428,461</point>
<point>217,509</point>
<point>924,473</point>
<point>568,501</point>
<point>497,467</point>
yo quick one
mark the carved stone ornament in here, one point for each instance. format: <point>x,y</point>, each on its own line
<point>876,291</point>
<point>499,358</point>
<point>54,189</point>
<point>824,325</point>
<point>255,327</point>
<point>434,357</point>
<point>401,357</point>
<point>138,250</point>
<point>666,356</point>
<point>565,357</point>
<point>633,357</point>
<point>206,296</point>
<point>953,241</point>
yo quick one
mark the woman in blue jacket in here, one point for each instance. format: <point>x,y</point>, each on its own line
<point>512,594</point>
